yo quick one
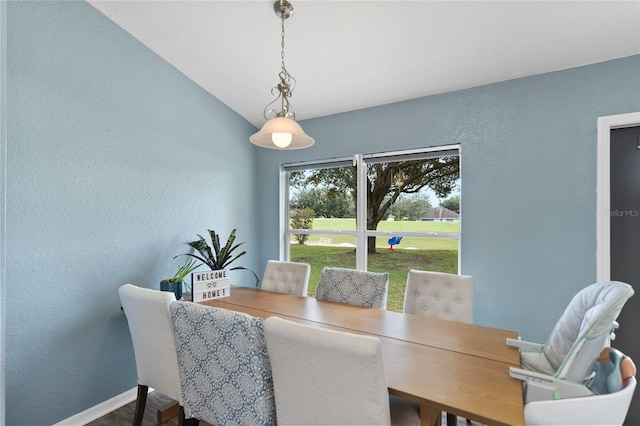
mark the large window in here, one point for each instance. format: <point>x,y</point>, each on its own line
<point>388,212</point>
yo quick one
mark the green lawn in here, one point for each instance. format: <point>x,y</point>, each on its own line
<point>407,226</point>
<point>397,263</point>
<point>403,225</point>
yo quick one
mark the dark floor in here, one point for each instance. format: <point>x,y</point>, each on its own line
<point>124,415</point>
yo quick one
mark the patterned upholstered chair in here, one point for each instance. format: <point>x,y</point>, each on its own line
<point>327,377</point>
<point>440,295</point>
<point>353,287</point>
<point>149,322</point>
<point>286,277</point>
<point>224,367</point>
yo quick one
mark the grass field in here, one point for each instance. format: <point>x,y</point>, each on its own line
<point>434,254</point>
<point>406,226</point>
<point>401,225</point>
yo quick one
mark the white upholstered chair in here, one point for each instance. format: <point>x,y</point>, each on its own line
<point>327,377</point>
<point>147,313</point>
<point>286,277</point>
<point>353,287</point>
<point>440,295</point>
<point>561,369</point>
<point>224,367</point>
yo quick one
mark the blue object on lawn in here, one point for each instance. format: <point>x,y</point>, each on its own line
<point>393,241</point>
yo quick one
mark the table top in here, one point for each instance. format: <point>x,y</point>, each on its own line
<point>459,368</point>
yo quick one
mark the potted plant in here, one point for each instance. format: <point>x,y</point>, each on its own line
<point>221,256</point>
<point>176,282</point>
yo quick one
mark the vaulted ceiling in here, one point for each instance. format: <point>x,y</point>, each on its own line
<point>347,55</point>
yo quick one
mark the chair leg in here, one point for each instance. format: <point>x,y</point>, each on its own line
<point>185,422</point>
<point>452,419</point>
<point>191,422</point>
<point>141,402</point>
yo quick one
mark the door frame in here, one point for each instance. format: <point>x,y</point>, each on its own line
<point>603,188</point>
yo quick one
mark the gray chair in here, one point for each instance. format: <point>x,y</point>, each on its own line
<point>147,313</point>
<point>327,377</point>
<point>361,288</point>
<point>562,367</point>
<point>440,295</point>
<point>224,367</point>
<point>286,277</point>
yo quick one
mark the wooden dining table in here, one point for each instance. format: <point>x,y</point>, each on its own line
<point>459,368</point>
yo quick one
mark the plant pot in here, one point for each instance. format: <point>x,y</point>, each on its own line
<point>174,286</point>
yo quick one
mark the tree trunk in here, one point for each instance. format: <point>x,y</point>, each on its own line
<point>371,245</point>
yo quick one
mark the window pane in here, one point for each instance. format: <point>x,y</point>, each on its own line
<point>322,221</point>
<point>407,227</point>
<point>410,215</point>
<point>322,250</point>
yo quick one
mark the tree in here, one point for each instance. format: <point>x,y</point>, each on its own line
<point>452,203</point>
<point>302,219</point>
<point>385,183</point>
<point>323,203</point>
<point>411,207</point>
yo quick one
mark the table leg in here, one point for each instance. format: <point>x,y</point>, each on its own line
<point>429,416</point>
<point>168,411</point>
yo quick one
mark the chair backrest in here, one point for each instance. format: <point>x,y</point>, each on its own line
<point>607,409</point>
<point>287,277</point>
<point>354,287</point>
<point>147,313</point>
<point>224,366</point>
<point>439,295</point>
<point>326,377</point>
<point>581,333</point>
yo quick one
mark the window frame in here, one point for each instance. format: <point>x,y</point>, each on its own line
<point>361,161</point>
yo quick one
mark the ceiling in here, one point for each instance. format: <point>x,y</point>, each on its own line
<point>348,55</point>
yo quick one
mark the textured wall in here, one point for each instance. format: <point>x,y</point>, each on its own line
<point>528,179</point>
<point>115,161</point>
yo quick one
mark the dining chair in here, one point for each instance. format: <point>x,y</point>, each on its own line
<point>147,313</point>
<point>286,277</point>
<point>328,377</point>
<point>361,288</point>
<point>224,367</point>
<point>440,295</point>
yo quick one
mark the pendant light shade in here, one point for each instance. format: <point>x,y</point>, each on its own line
<point>281,133</point>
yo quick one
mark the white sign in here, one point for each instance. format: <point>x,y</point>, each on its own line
<point>210,285</point>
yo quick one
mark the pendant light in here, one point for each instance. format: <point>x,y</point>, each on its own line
<point>281,131</point>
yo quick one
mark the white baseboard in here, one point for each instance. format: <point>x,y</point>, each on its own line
<point>101,409</point>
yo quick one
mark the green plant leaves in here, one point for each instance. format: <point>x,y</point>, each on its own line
<point>221,256</point>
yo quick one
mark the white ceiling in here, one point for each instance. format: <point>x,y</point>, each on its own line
<point>348,55</point>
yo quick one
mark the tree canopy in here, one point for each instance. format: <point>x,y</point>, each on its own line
<point>385,183</point>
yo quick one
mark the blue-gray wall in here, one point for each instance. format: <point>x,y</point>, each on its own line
<point>115,160</point>
<point>528,180</point>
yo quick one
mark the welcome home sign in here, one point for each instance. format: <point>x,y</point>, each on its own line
<point>210,285</point>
